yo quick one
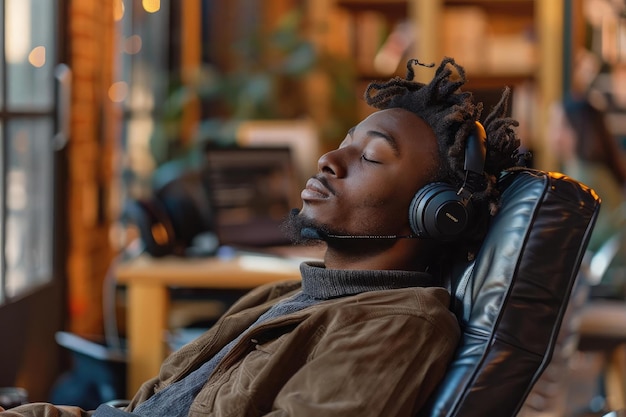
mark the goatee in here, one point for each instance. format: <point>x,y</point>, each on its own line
<point>293,226</point>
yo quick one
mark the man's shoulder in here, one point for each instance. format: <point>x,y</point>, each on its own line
<point>271,291</point>
<point>420,297</point>
<point>415,306</point>
<point>280,288</point>
<point>422,302</point>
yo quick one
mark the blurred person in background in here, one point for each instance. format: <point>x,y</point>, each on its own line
<point>588,152</point>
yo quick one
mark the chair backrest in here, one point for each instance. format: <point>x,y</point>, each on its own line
<point>512,298</point>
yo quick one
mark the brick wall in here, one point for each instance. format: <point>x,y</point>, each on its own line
<point>94,126</point>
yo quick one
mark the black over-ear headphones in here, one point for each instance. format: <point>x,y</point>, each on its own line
<point>177,213</point>
<point>440,211</point>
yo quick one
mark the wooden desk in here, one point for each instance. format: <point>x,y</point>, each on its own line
<point>148,280</point>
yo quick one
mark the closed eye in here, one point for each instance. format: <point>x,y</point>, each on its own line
<point>363,157</point>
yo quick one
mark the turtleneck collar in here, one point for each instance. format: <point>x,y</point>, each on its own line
<point>321,283</point>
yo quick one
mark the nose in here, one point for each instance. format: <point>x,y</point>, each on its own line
<point>332,163</point>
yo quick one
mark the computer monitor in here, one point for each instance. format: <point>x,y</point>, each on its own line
<point>252,190</point>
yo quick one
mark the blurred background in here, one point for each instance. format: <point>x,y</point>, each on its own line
<point>103,103</point>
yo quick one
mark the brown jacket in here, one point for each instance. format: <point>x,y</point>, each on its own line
<point>379,353</point>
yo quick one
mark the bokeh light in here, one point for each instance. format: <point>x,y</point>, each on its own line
<point>151,6</point>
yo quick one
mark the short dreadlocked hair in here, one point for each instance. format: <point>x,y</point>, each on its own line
<point>452,113</point>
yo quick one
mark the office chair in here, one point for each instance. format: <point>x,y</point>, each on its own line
<point>511,299</point>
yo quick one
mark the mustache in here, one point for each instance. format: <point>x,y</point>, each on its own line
<point>321,178</point>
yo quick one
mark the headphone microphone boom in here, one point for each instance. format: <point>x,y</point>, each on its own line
<point>312,233</point>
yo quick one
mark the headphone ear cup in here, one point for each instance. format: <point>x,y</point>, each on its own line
<point>437,211</point>
<point>155,227</point>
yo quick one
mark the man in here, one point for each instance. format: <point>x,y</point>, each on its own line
<point>367,332</point>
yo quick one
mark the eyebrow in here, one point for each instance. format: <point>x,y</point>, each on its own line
<point>388,138</point>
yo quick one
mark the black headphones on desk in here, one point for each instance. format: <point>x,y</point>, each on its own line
<point>438,210</point>
<point>171,221</point>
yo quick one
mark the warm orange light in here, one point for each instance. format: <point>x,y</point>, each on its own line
<point>37,57</point>
<point>151,6</point>
<point>118,91</point>
<point>132,44</point>
<point>118,10</point>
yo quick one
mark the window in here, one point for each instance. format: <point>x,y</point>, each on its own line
<point>27,131</point>
<point>143,77</point>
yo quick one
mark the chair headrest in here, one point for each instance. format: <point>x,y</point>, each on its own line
<point>511,299</point>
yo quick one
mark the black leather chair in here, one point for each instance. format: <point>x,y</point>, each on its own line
<point>512,298</point>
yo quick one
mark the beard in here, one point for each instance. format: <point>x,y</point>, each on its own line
<point>294,225</point>
<point>305,231</point>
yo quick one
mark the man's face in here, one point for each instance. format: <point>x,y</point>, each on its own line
<point>366,185</point>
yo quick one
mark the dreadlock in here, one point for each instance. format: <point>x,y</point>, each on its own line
<point>452,113</point>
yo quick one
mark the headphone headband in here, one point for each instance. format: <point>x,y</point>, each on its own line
<point>475,150</point>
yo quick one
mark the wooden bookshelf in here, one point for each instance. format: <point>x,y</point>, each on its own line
<point>517,43</point>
